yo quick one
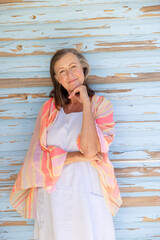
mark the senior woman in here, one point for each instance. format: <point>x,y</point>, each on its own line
<point>67,183</point>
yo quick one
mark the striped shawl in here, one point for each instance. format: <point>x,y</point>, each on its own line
<point>43,164</point>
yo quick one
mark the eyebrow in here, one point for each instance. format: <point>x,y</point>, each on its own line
<point>69,65</point>
<point>60,68</point>
<point>72,63</point>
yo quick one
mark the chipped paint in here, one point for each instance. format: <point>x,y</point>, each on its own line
<point>150,112</point>
<point>24,96</point>
<point>150,8</point>
<point>11,223</point>
<point>145,219</point>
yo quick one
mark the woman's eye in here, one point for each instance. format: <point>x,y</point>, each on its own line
<point>73,66</point>
<point>62,71</point>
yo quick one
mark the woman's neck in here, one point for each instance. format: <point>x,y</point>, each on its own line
<point>73,106</point>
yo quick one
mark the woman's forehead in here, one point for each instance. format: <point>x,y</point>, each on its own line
<point>66,60</point>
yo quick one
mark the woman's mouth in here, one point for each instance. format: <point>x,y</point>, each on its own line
<point>70,81</point>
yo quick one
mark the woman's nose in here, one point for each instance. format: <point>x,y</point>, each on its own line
<point>69,72</point>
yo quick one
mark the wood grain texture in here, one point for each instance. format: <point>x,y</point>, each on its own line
<point>121,41</point>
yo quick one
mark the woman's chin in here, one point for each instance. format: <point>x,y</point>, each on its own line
<point>76,85</point>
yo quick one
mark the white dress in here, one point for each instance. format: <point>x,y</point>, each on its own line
<point>76,210</point>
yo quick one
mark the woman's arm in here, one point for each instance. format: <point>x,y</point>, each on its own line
<point>89,141</point>
<point>73,157</point>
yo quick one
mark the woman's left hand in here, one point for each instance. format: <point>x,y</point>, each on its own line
<point>80,93</point>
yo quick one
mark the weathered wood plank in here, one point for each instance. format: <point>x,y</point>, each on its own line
<point>85,44</point>
<point>141,159</point>
<point>122,91</point>
<point>17,231</point>
<point>93,79</point>
<point>75,29</point>
<point>24,95</point>
<point>26,127</point>
<point>92,12</point>
<point>144,163</point>
<point>24,111</point>
<point>133,110</point>
<point>124,141</point>
<point>148,91</point>
<point>16,3</point>
<point>135,156</point>
<point>128,60</point>
<point>17,127</point>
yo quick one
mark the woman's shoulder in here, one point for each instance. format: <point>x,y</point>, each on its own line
<point>100,100</point>
<point>101,105</point>
<point>49,101</point>
<point>48,104</point>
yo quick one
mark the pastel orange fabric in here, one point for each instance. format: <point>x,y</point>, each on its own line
<point>43,164</point>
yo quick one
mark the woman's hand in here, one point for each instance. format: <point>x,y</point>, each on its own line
<point>98,158</point>
<point>73,157</point>
<point>81,94</point>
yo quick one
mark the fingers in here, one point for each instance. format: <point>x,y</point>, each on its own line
<point>99,157</point>
<point>80,92</point>
<point>75,92</point>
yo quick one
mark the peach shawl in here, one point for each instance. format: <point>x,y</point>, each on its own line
<point>43,164</point>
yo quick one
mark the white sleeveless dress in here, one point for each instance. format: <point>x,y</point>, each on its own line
<point>76,210</point>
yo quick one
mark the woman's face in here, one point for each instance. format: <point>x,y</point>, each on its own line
<point>69,72</point>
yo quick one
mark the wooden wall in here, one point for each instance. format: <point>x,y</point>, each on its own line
<point>121,40</point>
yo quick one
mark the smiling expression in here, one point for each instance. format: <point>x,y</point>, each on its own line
<point>69,72</point>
